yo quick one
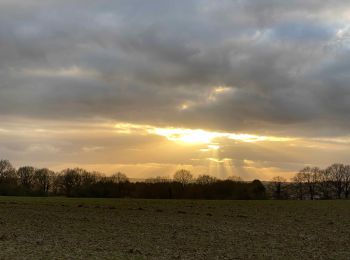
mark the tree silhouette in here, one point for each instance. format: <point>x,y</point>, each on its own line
<point>158,179</point>
<point>119,177</point>
<point>205,179</point>
<point>183,176</point>
<point>26,178</point>
<point>6,170</point>
<point>299,179</point>
<point>42,181</point>
<point>234,178</point>
<point>71,180</point>
<point>324,183</point>
<point>8,179</point>
<point>278,183</point>
<point>346,181</point>
<point>336,172</point>
<point>308,177</point>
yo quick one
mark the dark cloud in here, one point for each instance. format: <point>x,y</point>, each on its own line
<point>139,62</point>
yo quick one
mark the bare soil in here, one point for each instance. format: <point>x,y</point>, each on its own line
<point>64,228</point>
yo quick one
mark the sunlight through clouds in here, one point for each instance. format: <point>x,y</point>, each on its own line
<point>199,136</point>
<point>110,143</point>
<point>252,81</point>
<point>194,136</point>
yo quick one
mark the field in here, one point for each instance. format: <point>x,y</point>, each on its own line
<point>69,228</point>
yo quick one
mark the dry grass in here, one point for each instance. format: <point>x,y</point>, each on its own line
<point>62,228</point>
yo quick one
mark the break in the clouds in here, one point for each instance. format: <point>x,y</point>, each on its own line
<point>264,68</point>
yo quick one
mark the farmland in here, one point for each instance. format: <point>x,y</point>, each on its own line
<point>74,228</point>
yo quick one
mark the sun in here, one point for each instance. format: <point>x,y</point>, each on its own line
<point>188,136</point>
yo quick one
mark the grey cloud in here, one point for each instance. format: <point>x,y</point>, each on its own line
<point>148,58</point>
<point>297,31</point>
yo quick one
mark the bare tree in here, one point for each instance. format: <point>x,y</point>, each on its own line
<point>119,178</point>
<point>278,183</point>
<point>324,183</point>
<point>88,178</point>
<point>308,176</point>
<point>183,176</point>
<point>336,172</point>
<point>346,181</point>
<point>299,179</point>
<point>205,179</point>
<point>8,179</point>
<point>6,170</point>
<point>71,180</point>
<point>26,177</point>
<point>42,180</point>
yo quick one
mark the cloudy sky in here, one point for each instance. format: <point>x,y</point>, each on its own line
<point>251,88</point>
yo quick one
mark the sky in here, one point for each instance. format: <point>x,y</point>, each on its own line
<point>250,88</point>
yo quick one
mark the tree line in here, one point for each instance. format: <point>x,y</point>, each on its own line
<point>77,182</point>
<point>333,182</point>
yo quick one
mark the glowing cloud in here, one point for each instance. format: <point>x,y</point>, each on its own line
<point>199,136</point>
<point>218,91</point>
<point>214,146</point>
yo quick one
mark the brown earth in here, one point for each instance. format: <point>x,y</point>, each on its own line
<point>63,228</point>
